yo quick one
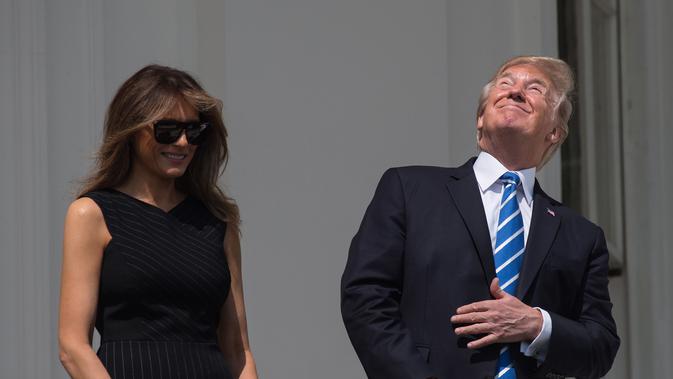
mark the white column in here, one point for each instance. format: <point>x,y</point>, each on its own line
<point>76,105</point>
<point>648,56</point>
<point>25,211</point>
<point>660,115</point>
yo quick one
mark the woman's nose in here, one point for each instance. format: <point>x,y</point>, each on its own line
<point>182,140</point>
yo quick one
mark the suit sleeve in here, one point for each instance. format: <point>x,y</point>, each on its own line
<point>371,289</point>
<point>586,347</point>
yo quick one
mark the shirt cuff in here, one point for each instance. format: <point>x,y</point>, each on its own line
<point>538,348</point>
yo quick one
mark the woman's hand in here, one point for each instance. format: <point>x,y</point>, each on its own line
<point>233,330</point>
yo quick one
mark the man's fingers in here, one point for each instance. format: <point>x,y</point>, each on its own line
<point>483,342</point>
<point>480,306</point>
<point>480,328</point>
<point>496,291</point>
<point>485,305</point>
<point>471,318</point>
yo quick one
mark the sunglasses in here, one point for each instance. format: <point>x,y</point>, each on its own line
<point>169,131</point>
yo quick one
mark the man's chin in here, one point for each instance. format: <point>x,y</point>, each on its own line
<point>511,135</point>
<point>510,125</point>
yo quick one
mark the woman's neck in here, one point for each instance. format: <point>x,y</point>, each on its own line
<point>151,188</point>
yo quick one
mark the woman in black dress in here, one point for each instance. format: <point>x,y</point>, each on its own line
<point>151,254</point>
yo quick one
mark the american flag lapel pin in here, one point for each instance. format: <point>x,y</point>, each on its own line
<point>551,212</point>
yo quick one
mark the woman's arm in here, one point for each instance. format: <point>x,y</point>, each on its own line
<point>84,238</point>
<point>233,329</point>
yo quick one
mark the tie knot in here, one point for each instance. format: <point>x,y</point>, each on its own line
<point>510,178</point>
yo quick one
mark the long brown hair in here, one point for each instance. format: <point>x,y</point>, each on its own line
<point>143,99</point>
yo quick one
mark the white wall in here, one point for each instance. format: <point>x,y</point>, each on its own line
<point>481,35</point>
<point>320,97</point>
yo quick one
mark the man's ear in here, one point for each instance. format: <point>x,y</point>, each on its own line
<point>555,135</point>
<point>480,123</point>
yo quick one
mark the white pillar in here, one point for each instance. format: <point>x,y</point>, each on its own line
<point>75,106</point>
<point>23,196</point>
<point>648,56</point>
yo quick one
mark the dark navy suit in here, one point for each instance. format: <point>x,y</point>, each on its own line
<point>424,249</point>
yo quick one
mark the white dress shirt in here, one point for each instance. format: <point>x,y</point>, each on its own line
<point>488,171</point>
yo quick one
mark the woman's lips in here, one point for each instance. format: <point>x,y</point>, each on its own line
<point>174,156</point>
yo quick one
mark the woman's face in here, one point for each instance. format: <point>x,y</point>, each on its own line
<point>167,161</point>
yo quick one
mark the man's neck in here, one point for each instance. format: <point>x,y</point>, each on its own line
<point>513,161</point>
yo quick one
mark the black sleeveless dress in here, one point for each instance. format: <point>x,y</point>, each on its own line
<point>163,280</point>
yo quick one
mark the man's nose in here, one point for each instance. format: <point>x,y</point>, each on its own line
<point>516,94</point>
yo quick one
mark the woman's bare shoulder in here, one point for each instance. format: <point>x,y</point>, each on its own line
<point>84,209</point>
<point>84,222</point>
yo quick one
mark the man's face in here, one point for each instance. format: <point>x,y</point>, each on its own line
<point>519,111</point>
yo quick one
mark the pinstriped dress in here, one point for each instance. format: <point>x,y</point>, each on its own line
<point>163,280</point>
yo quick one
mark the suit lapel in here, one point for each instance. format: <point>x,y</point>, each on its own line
<point>544,224</point>
<point>464,191</point>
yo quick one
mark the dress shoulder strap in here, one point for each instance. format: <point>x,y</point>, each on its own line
<point>107,202</point>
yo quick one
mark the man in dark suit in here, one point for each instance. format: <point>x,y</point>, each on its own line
<point>474,272</point>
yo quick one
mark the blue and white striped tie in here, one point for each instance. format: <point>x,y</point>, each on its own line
<point>508,255</point>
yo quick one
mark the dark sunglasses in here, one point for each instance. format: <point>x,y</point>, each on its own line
<point>169,131</point>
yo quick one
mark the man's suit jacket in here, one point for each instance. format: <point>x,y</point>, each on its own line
<point>424,249</point>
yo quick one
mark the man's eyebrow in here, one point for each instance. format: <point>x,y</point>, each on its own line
<point>509,75</point>
<point>538,81</point>
<point>505,75</point>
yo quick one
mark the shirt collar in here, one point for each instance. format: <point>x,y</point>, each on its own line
<point>488,170</point>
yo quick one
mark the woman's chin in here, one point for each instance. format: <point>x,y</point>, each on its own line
<point>173,173</point>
